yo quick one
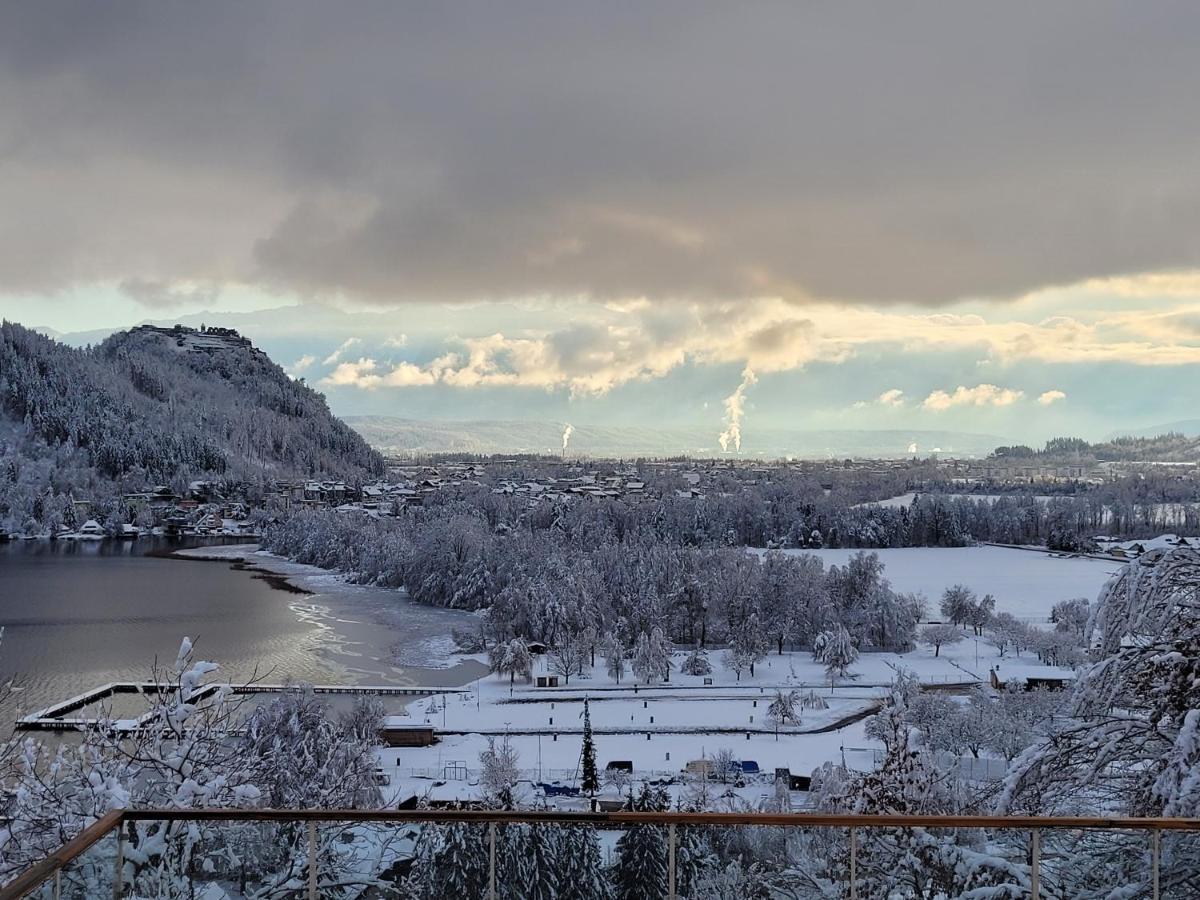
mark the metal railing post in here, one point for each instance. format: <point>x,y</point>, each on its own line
<point>491,861</point>
<point>1155,857</point>
<point>853,864</point>
<point>1035,864</point>
<point>119,866</point>
<point>312,860</point>
<point>671,861</point>
<point>57,884</point>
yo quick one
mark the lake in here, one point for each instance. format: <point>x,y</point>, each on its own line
<point>78,614</point>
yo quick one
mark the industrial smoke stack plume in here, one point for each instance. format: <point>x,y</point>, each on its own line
<point>735,405</point>
<point>567,437</point>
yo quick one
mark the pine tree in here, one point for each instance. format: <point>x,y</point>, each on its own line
<point>692,854</point>
<point>538,864</point>
<point>591,779</point>
<point>460,864</point>
<point>642,851</point>
<point>581,863</point>
<point>423,876</point>
<point>697,662</point>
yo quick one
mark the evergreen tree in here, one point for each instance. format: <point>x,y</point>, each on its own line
<point>692,855</point>
<point>537,864</point>
<point>422,877</point>
<point>591,779</point>
<point>642,851</point>
<point>581,863</point>
<point>461,862</point>
<point>697,662</point>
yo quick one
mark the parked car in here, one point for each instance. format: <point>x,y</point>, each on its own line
<point>558,790</point>
<point>744,767</point>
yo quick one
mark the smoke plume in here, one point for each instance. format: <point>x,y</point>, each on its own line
<point>567,436</point>
<point>735,406</point>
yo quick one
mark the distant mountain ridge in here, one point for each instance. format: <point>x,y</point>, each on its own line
<point>398,436</point>
<point>155,404</point>
<point>1164,447</point>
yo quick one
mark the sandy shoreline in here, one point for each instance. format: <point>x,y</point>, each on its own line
<point>367,634</point>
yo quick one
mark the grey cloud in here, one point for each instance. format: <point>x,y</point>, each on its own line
<point>398,152</point>
<point>163,295</point>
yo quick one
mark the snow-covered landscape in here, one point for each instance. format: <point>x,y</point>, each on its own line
<point>1026,583</point>
<point>654,451</point>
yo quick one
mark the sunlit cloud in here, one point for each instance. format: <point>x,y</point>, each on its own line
<point>980,395</point>
<point>301,365</point>
<point>599,347</point>
<point>342,348</point>
<point>1047,398</point>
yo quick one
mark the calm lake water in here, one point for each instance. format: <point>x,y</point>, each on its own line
<point>76,615</point>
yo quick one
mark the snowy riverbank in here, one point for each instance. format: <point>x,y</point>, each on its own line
<point>370,634</point>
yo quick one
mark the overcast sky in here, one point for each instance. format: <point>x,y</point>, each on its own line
<point>956,215</point>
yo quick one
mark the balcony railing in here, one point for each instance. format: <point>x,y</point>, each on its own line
<point>102,860</point>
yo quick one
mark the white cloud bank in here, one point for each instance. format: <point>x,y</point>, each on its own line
<point>980,395</point>
<point>591,349</point>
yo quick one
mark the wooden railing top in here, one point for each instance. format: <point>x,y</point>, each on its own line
<point>559,817</point>
<point>59,859</point>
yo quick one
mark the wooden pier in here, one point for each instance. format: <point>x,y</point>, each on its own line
<point>56,716</point>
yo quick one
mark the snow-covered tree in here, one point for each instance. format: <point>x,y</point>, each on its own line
<point>184,757</point>
<point>568,658</point>
<point>1071,616</point>
<point>613,652</point>
<point>836,651</point>
<point>538,864</point>
<point>1130,744</point>
<point>784,709</point>
<point>581,865</point>
<point>1005,631</point>
<point>750,642</point>
<point>696,662</point>
<point>958,603</point>
<point>652,657</point>
<point>939,635</point>
<point>513,659</point>
<point>499,771</point>
<point>641,869</point>
<point>590,778</point>
<point>451,861</point>
<point>914,862</point>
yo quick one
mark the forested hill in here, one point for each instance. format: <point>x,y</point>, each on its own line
<point>154,405</point>
<point>1168,447</point>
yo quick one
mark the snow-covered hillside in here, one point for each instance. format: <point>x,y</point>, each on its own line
<point>150,406</point>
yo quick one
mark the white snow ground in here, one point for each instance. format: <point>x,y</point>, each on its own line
<point>1026,583</point>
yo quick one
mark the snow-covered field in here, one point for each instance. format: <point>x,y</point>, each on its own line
<point>1026,583</point>
<point>907,499</point>
<point>659,729</point>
